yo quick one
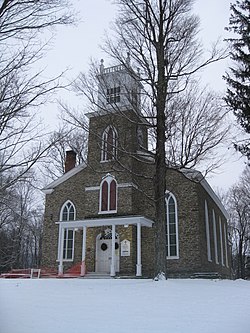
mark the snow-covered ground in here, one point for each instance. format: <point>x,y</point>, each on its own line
<point>131,306</point>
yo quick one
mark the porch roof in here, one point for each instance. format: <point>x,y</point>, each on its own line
<point>108,221</point>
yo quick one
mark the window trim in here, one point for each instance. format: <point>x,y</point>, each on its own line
<point>225,239</point>
<point>221,242</point>
<point>62,240</point>
<point>113,95</point>
<point>171,195</point>
<point>108,178</point>
<point>104,150</point>
<point>62,208</point>
<point>73,245</point>
<point>207,225</point>
<point>215,239</point>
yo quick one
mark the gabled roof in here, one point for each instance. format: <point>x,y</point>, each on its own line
<point>49,188</point>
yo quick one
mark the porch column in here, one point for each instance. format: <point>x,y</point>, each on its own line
<point>61,242</point>
<point>83,265</point>
<point>138,265</point>
<point>112,268</point>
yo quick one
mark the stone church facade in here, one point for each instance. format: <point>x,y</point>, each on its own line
<point>100,215</point>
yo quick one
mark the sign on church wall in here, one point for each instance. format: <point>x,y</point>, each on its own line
<point>125,248</point>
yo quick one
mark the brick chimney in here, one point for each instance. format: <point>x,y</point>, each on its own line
<point>70,161</point>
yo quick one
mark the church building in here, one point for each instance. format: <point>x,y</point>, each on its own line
<point>99,215</point>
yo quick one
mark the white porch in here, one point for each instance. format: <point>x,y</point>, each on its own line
<point>138,221</point>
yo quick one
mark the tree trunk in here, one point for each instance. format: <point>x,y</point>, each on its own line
<point>160,164</point>
<point>241,264</point>
<point>160,219</point>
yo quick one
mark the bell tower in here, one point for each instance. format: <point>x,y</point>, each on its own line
<point>117,129</point>
<point>119,88</point>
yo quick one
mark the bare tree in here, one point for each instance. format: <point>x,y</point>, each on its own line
<point>161,37</point>
<point>20,227</point>
<point>66,138</point>
<point>239,208</point>
<point>22,89</point>
<point>197,129</point>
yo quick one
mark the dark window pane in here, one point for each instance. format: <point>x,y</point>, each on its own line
<point>172,240</point>
<point>69,253</point>
<point>65,214</point>
<point>171,210</point>
<point>113,95</point>
<point>113,195</point>
<point>172,218</point>
<point>104,206</point>
<point>70,234</point>
<point>173,251</point>
<point>70,244</point>
<point>171,201</point>
<point>110,144</point>
<point>71,213</point>
<point>172,228</point>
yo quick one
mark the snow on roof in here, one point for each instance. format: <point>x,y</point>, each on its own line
<point>50,187</point>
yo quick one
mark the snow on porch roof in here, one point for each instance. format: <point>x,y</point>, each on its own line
<point>99,222</point>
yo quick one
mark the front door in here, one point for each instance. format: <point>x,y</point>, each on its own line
<point>104,252</point>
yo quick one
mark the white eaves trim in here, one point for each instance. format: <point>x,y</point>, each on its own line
<point>210,191</point>
<point>50,188</point>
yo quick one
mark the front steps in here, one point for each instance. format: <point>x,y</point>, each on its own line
<point>93,275</point>
<point>206,275</point>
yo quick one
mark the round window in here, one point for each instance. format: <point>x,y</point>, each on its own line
<point>104,246</point>
<point>116,246</point>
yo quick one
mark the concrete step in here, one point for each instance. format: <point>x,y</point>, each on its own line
<point>206,275</point>
<point>94,275</point>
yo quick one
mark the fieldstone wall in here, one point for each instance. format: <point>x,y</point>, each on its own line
<point>134,176</point>
<point>223,267</point>
<point>188,227</point>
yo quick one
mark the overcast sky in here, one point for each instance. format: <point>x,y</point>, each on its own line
<point>74,46</point>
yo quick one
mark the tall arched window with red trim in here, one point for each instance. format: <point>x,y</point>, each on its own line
<point>113,195</point>
<point>104,194</point>
<point>108,195</point>
<point>109,144</point>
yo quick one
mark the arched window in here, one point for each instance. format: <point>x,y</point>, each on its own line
<point>109,144</point>
<point>108,195</point>
<point>207,225</point>
<point>172,227</point>
<point>68,213</point>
